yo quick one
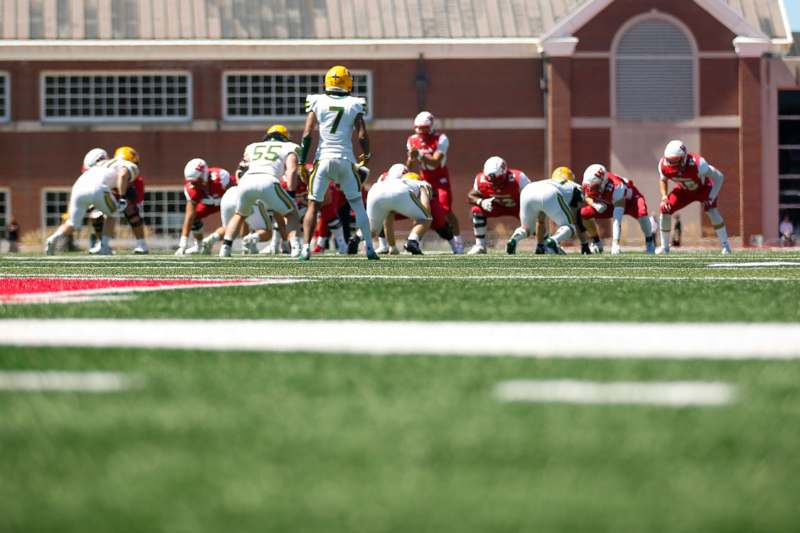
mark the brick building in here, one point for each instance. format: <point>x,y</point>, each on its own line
<point>540,82</point>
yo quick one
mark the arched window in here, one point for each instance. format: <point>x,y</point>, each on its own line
<point>654,71</point>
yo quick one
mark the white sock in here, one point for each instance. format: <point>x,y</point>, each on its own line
<point>212,238</point>
<point>413,236</point>
<point>480,241</point>
<point>184,242</point>
<point>519,234</point>
<point>458,241</point>
<point>563,232</point>
<point>666,228</point>
<point>338,237</point>
<point>140,243</point>
<point>383,243</point>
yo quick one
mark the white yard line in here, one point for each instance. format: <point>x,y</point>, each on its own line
<point>93,382</point>
<point>599,340</point>
<point>760,264</point>
<point>663,394</point>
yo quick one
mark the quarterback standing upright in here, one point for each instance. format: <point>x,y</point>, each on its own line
<point>427,151</point>
<point>697,181</point>
<point>338,114</point>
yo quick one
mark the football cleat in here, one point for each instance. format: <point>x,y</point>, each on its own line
<point>650,245</point>
<point>205,247</point>
<point>413,248</point>
<point>477,249</point>
<point>140,250</point>
<point>511,247</point>
<point>615,249</point>
<point>372,256</point>
<point>250,243</point>
<point>586,249</point>
<point>352,244</point>
<point>101,249</point>
<point>726,249</point>
<point>383,250</point>
<point>225,250</point>
<point>50,247</point>
<point>305,254</point>
<point>394,250</point>
<point>539,249</point>
<point>193,250</point>
<point>552,247</point>
<point>662,250</point>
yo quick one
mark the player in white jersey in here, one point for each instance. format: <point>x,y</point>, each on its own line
<point>405,195</point>
<point>256,228</point>
<point>338,115</point>
<point>559,199</point>
<point>101,187</point>
<point>266,162</point>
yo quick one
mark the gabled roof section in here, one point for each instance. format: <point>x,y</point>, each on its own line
<point>280,19</point>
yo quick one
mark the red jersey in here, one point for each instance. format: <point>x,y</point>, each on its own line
<point>615,190</point>
<point>505,190</point>
<point>691,177</point>
<point>428,145</point>
<point>138,185</point>
<point>209,193</point>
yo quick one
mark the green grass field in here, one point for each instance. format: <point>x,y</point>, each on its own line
<point>234,441</point>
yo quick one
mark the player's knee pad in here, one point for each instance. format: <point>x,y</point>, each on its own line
<point>715,216</point>
<point>445,232</point>
<point>197,226</point>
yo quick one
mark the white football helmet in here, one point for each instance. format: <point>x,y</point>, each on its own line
<point>676,153</point>
<point>424,120</point>
<point>396,171</point>
<point>595,178</point>
<point>224,178</point>
<point>94,156</point>
<point>495,167</point>
<point>196,170</point>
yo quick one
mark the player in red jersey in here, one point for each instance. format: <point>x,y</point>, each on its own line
<point>204,188</point>
<point>427,149</point>
<point>697,181</point>
<point>610,196</point>
<point>495,193</point>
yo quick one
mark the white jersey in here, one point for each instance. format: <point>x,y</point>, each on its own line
<point>269,157</point>
<point>336,116</point>
<point>569,190</point>
<point>98,176</point>
<point>110,168</point>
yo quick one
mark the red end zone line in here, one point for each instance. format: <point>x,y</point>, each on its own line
<point>598,340</point>
<point>32,289</point>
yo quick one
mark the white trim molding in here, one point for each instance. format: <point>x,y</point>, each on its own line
<point>263,50</point>
<point>704,122</point>
<point>751,47</point>
<point>558,47</point>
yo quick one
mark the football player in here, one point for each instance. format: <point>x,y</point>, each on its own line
<point>559,199</point>
<point>697,181</point>
<point>610,196</point>
<point>101,187</point>
<point>204,188</point>
<point>427,153</point>
<point>256,228</point>
<point>406,195</point>
<point>495,193</point>
<point>338,115</point>
<point>266,161</point>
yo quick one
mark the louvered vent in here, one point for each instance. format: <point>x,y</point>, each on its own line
<point>655,73</point>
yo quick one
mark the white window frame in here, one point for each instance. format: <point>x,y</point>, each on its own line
<point>9,214</point>
<point>117,120</point>
<point>664,18</point>
<point>144,213</point>
<point>285,118</point>
<point>6,109</point>
<point>43,204</point>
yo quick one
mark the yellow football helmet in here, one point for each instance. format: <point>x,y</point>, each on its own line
<point>127,153</point>
<point>338,80</point>
<point>563,174</point>
<point>278,130</point>
<point>412,176</point>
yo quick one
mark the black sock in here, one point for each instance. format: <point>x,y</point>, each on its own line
<point>229,242</point>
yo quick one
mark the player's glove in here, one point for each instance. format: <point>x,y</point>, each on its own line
<point>487,204</point>
<point>665,206</point>
<point>596,246</point>
<point>586,249</point>
<point>364,158</point>
<point>614,248</point>
<point>600,207</point>
<point>121,205</point>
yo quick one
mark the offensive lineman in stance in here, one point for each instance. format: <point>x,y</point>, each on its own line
<point>698,181</point>
<point>266,162</point>
<point>406,195</point>
<point>494,194</point>
<point>559,199</point>
<point>338,114</point>
<point>610,196</point>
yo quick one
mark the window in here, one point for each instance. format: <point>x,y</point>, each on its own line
<point>261,96</point>
<point>56,203</point>
<point>5,212</point>
<point>789,154</point>
<point>654,72</point>
<point>5,92</point>
<point>163,211</point>
<point>116,97</point>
